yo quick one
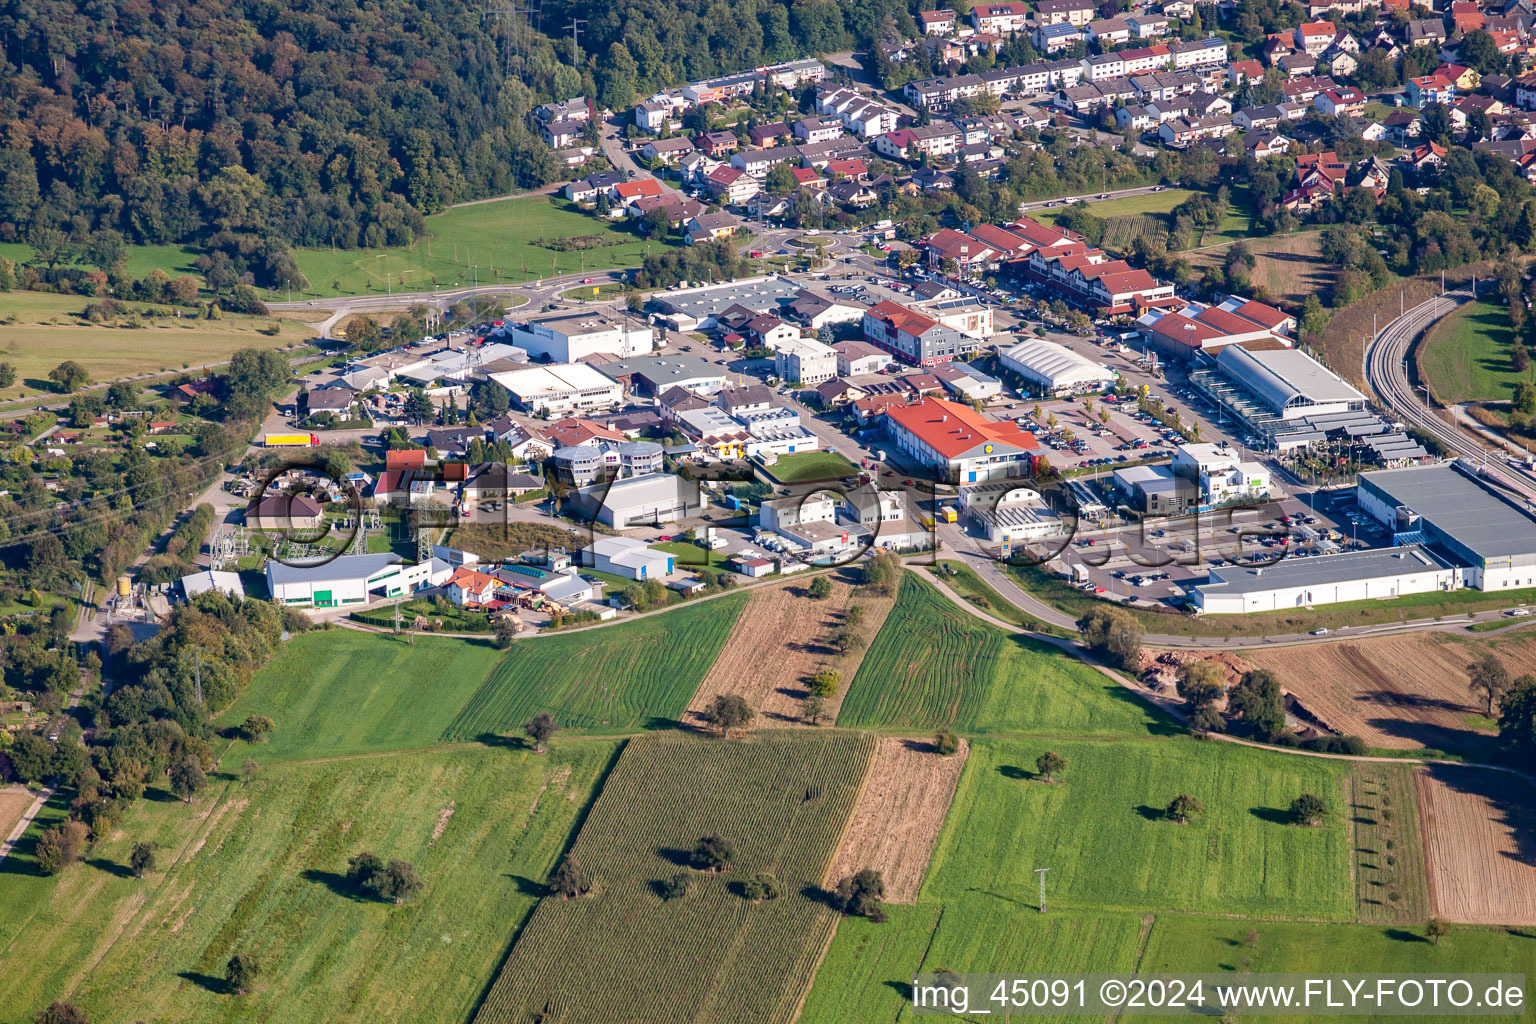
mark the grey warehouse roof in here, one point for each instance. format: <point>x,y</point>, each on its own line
<point>343,567</point>
<point>1284,378</point>
<point>1324,569</point>
<point>1459,507</point>
<point>761,294</point>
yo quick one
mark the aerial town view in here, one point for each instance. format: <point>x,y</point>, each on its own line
<point>820,511</point>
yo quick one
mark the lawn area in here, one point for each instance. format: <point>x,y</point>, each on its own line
<point>138,260</point>
<point>1102,832</point>
<point>1287,266</point>
<point>1125,206</point>
<point>615,679</point>
<point>258,869</point>
<point>342,691</point>
<point>39,330</point>
<point>624,953</point>
<point>1467,356</point>
<point>803,467</point>
<point>498,238</point>
<point>934,665</point>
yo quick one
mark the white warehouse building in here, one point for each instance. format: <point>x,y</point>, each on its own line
<point>561,388</point>
<point>351,579</point>
<point>1379,573</point>
<point>571,336</point>
<point>1053,369</point>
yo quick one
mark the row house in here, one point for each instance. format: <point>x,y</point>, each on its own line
<point>1146,58</point>
<point>1184,131</point>
<point>818,129</point>
<point>1304,90</point>
<point>1345,102</point>
<point>1068,12</point>
<point>1051,38</point>
<point>933,140</point>
<point>1107,32</point>
<point>1103,67</point>
<point>1134,118</point>
<point>794,73</point>
<point>1198,53</point>
<point>758,162</point>
<point>864,117</point>
<point>1165,85</point>
<point>1091,97</point>
<point>1147,26</point>
<point>718,90</point>
<point>1268,117</point>
<point>1001,18</point>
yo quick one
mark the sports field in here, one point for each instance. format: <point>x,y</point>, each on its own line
<point>623,952</point>
<point>1467,357</point>
<point>487,242</point>
<point>806,467</point>
<point>346,692</point>
<point>39,330</point>
<point>934,665</point>
<point>632,676</point>
<point>258,869</point>
<point>1101,829</point>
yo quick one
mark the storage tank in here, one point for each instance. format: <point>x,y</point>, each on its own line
<point>124,586</point>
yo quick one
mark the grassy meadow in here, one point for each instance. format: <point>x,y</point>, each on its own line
<point>632,676</point>
<point>338,692</point>
<point>258,868</point>
<point>39,330</point>
<point>1467,357</point>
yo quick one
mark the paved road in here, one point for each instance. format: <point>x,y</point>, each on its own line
<point>1091,197</point>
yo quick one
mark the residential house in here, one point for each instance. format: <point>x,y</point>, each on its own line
<point>766,136</point>
<point>937,23</point>
<point>709,226</point>
<point>668,151</point>
<point>731,185</point>
<point>1426,89</point>
<point>1343,102</point>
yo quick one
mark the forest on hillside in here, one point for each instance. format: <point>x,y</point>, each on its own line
<point>248,126</point>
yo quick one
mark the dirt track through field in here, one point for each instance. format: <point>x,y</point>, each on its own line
<point>779,642</point>
<point>1400,692</point>
<point>899,815</point>
<point>1480,845</point>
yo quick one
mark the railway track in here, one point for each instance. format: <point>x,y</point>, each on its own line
<point>1386,370</point>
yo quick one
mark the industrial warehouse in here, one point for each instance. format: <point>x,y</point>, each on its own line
<point>1291,400</point>
<point>1449,530</point>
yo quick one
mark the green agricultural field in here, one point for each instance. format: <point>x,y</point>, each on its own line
<point>39,330</point>
<point>341,691</point>
<point>1468,356</point>
<point>497,238</point>
<point>933,665</point>
<point>1124,206</point>
<point>624,953</point>
<point>1102,833</point>
<point>805,467</point>
<point>614,679</point>
<point>258,869</point>
<point>138,260</point>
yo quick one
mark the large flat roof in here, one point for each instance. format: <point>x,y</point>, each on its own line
<point>1054,363</point>
<point>759,293</point>
<point>342,567</point>
<point>1475,516</point>
<point>556,378</point>
<point>1286,377</point>
<point>1343,567</point>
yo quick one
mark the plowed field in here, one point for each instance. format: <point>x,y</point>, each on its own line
<point>1480,842</point>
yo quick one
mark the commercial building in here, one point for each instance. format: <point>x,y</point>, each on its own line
<point>572,336</point>
<point>1010,512</point>
<point>652,375</point>
<point>625,556</point>
<point>1201,476</point>
<point>804,361</point>
<point>913,336</point>
<point>1050,369</point>
<point>958,443</point>
<point>1380,573</point>
<point>858,358</point>
<point>967,383</point>
<point>1448,507</point>
<point>640,501</point>
<point>560,388</point>
<point>581,464</point>
<point>695,308</point>
<point>351,579</point>
<point>208,579</point>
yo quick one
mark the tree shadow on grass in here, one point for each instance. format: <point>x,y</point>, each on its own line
<point>338,883</point>
<point>675,855</point>
<point>1152,813</point>
<point>111,867</point>
<point>661,723</point>
<point>494,739</point>
<point>160,795</point>
<point>1403,935</point>
<point>528,887</point>
<point>218,986</point>
<point>1013,771</point>
<point>902,988</point>
<point>1273,815</point>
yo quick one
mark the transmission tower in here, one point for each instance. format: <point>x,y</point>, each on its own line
<point>515,28</point>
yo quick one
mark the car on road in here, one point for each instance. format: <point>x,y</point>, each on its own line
<point>1103,195</point>
<point>1320,631</point>
<point>1158,188</point>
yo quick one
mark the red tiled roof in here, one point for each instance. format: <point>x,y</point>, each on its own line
<point>901,318</point>
<point>1261,314</point>
<point>952,429</point>
<point>1181,330</point>
<point>1226,323</point>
